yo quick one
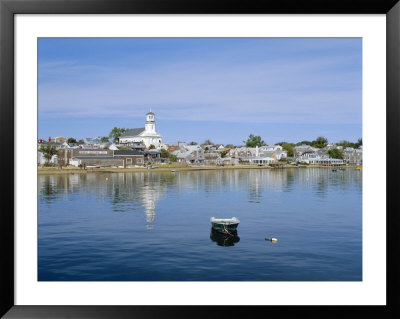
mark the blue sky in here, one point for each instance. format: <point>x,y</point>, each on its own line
<point>222,89</point>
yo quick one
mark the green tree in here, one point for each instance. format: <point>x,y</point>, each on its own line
<point>319,142</point>
<point>359,142</point>
<point>304,142</point>
<point>345,144</point>
<point>254,141</point>
<point>165,153</point>
<point>151,147</point>
<point>223,154</point>
<point>192,143</point>
<point>105,139</point>
<point>229,146</point>
<point>289,148</point>
<point>48,151</point>
<point>335,153</point>
<point>80,142</point>
<point>172,158</point>
<point>207,142</point>
<point>71,140</point>
<point>116,132</point>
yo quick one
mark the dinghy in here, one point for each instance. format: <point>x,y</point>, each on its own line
<point>225,225</point>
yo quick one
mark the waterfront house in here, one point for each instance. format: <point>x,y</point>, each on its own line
<point>243,153</point>
<point>276,153</point>
<point>96,160</point>
<point>189,154</point>
<point>319,158</point>
<point>328,162</point>
<point>228,161</point>
<point>259,160</point>
<point>311,158</point>
<point>252,154</point>
<point>304,148</point>
<point>353,156</point>
<point>272,148</point>
<point>131,157</point>
<point>82,156</point>
<point>153,156</point>
<point>212,158</point>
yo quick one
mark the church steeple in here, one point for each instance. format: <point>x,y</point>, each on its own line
<point>150,124</point>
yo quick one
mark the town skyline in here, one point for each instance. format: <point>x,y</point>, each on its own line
<point>208,88</point>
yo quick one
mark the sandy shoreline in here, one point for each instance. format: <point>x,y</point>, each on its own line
<point>72,170</point>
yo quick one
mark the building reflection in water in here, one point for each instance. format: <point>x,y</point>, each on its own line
<point>125,191</point>
<point>129,192</point>
<point>148,189</point>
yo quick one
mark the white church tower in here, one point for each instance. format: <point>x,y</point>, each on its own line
<point>150,125</point>
<point>147,135</point>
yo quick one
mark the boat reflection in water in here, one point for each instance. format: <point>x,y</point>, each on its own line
<point>224,239</point>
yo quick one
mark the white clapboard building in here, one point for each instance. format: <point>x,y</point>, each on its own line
<point>146,135</point>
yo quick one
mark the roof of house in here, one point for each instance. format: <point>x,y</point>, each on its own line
<point>132,132</point>
<point>267,154</point>
<point>211,155</point>
<point>172,148</point>
<point>128,152</point>
<point>152,151</point>
<point>108,158</point>
<point>192,148</point>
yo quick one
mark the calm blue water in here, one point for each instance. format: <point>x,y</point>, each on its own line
<point>155,226</point>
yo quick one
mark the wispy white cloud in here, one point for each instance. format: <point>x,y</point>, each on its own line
<point>292,91</point>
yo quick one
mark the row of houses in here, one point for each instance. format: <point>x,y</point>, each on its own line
<point>102,157</point>
<point>95,152</point>
<point>319,156</point>
<point>200,155</point>
<point>134,148</point>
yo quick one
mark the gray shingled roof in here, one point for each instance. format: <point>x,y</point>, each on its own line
<point>130,152</point>
<point>108,158</point>
<point>132,132</point>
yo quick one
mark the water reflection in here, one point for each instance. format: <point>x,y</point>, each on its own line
<point>154,226</point>
<point>47,189</point>
<point>224,239</point>
<point>131,192</point>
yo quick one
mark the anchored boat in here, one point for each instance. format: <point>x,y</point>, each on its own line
<point>225,225</point>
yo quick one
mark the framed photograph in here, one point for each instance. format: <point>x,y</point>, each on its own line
<point>194,159</point>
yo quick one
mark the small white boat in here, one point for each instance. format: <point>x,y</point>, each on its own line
<point>225,225</point>
<point>174,170</point>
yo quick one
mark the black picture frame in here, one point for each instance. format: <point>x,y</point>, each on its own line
<point>8,8</point>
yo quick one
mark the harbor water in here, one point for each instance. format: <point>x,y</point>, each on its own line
<point>155,226</point>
